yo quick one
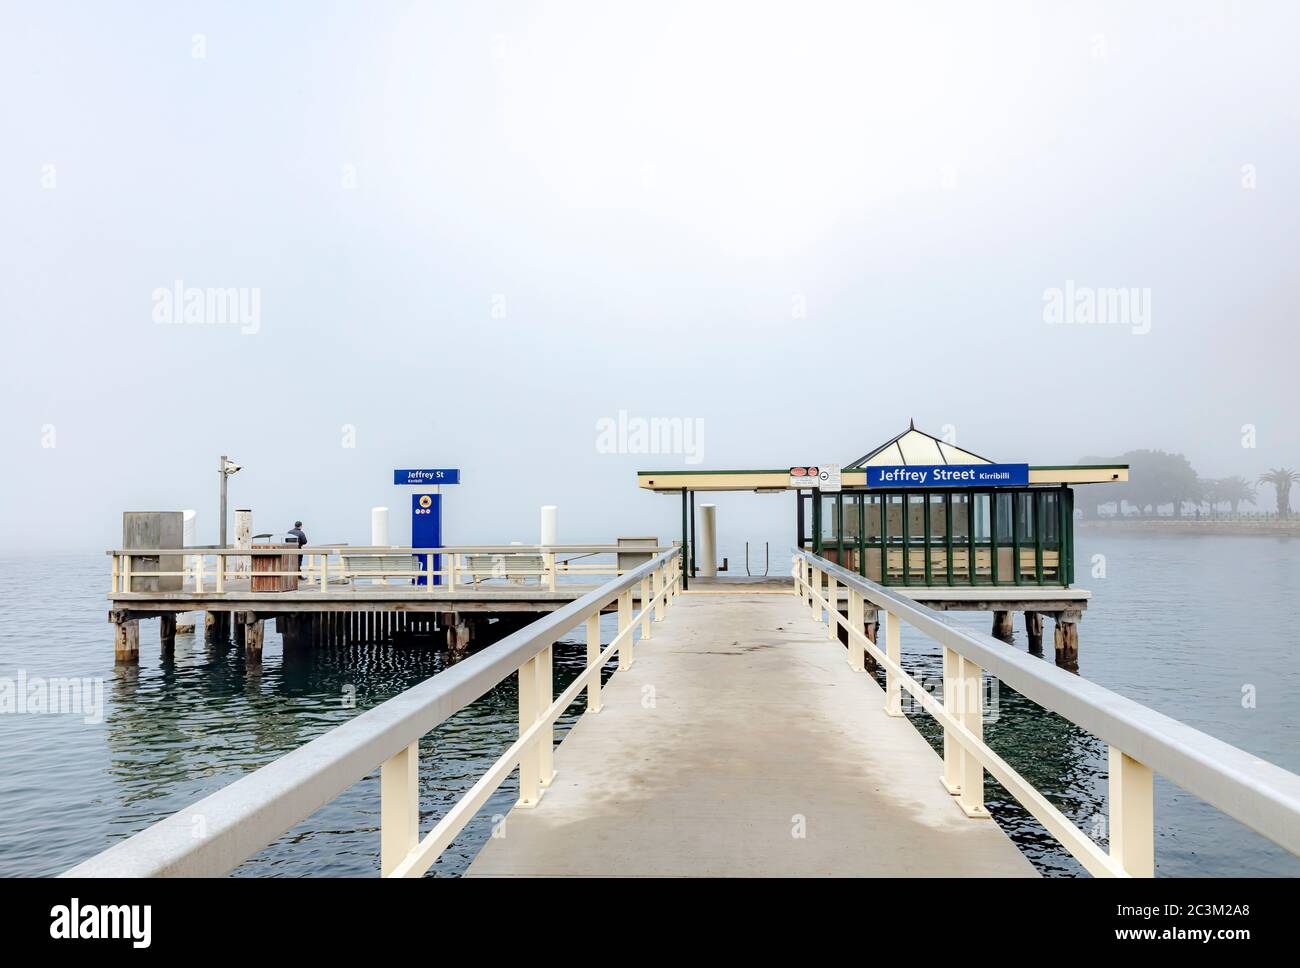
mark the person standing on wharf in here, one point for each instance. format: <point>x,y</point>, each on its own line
<point>296,533</point>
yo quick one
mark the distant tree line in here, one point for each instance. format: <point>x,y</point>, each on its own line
<point>1158,478</point>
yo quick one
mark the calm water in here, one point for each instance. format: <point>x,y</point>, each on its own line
<point>1180,623</point>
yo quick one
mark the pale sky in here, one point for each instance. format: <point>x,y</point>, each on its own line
<point>477,230</point>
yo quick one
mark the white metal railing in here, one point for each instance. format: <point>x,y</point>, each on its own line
<point>1142,742</point>
<point>217,834</point>
<point>209,571</point>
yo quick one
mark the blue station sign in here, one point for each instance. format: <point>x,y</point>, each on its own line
<point>426,477</point>
<point>948,475</point>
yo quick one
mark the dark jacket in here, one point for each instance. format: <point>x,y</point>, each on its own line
<point>297,533</point>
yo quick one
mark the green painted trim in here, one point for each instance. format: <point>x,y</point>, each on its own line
<point>884,539</point>
<point>1039,499</point>
<point>947,534</point>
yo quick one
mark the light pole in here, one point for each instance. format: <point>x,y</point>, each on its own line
<point>225,468</point>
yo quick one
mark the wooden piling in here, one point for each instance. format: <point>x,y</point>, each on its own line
<point>253,635</point>
<point>167,633</point>
<point>1002,628</point>
<point>126,643</point>
<point>1067,640</point>
<point>1034,631</point>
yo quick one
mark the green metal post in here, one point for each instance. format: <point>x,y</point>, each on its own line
<point>1015,535</point>
<point>993,537</point>
<point>817,520</point>
<point>907,538</point>
<point>884,538</point>
<point>839,528</point>
<point>925,522</point>
<point>947,531</point>
<point>1039,498</point>
<point>970,537</point>
<point>686,534</point>
<point>862,534</point>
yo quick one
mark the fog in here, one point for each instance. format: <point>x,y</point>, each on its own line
<point>331,241</point>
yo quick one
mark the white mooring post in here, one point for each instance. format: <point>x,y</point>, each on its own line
<point>707,553</point>
<point>550,535</point>
<point>379,527</point>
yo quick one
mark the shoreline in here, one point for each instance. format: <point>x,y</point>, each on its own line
<point>1282,529</point>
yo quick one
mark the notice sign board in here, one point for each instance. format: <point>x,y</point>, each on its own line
<point>948,475</point>
<point>825,476</point>
<point>427,477</point>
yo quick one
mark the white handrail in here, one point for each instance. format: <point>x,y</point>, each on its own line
<point>353,562</point>
<point>221,831</point>
<point>1257,793</point>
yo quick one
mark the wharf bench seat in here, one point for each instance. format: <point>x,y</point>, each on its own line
<point>480,568</point>
<point>377,566</point>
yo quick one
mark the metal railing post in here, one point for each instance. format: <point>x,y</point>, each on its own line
<point>658,590</point>
<point>832,606</point>
<point>221,574</point>
<point>530,766</point>
<point>893,650</point>
<point>428,572</point>
<point>545,696</point>
<point>1132,815</point>
<point>399,807</point>
<point>645,609</point>
<point>952,750</point>
<point>325,572</point>
<point>970,686</point>
<point>593,658</point>
<point>857,651</point>
<point>625,655</point>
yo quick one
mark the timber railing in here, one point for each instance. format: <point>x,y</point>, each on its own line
<point>1142,742</point>
<point>211,571</point>
<point>217,834</point>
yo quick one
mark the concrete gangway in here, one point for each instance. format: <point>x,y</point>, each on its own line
<point>741,743</point>
<point>740,735</point>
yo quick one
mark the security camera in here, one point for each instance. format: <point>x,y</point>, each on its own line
<point>232,467</point>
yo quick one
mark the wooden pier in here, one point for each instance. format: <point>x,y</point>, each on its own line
<point>344,594</point>
<point>740,735</point>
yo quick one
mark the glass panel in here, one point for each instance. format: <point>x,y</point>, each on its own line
<point>873,518</point>
<point>829,533</point>
<point>1051,519</point>
<point>1004,518</point>
<point>851,525</point>
<point>916,518</point>
<point>961,538</point>
<point>1025,507</point>
<point>938,519</point>
<point>981,505</point>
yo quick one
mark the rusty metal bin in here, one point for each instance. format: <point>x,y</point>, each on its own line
<point>269,558</point>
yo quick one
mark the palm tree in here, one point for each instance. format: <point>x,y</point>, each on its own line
<point>1234,490</point>
<point>1281,478</point>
